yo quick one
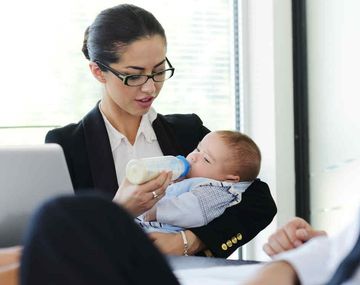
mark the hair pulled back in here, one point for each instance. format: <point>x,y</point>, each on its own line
<point>117,27</point>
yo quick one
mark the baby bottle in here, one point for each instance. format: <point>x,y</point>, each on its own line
<point>141,170</point>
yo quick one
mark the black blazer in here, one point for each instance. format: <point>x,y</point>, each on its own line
<point>88,155</point>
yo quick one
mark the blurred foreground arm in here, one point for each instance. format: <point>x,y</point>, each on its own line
<point>9,265</point>
<point>276,273</point>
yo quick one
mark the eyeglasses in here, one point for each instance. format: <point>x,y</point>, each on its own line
<point>137,80</point>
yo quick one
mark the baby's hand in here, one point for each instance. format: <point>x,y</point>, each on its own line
<point>150,215</point>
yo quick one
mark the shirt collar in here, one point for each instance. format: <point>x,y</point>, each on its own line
<point>145,129</point>
<point>115,137</point>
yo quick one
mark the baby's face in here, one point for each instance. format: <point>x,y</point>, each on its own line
<point>210,158</point>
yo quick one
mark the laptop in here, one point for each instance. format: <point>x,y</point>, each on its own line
<point>29,175</point>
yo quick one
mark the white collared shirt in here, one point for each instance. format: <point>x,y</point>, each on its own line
<point>146,143</point>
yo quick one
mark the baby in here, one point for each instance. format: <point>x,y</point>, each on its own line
<point>222,167</point>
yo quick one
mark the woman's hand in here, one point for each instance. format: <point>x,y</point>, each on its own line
<point>290,236</point>
<point>150,215</point>
<point>173,244</point>
<point>137,199</point>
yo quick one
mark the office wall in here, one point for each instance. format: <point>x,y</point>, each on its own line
<point>334,117</point>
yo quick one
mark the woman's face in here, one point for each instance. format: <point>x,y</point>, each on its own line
<point>144,56</point>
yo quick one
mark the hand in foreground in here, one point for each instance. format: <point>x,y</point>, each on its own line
<point>275,273</point>
<point>173,244</point>
<point>290,236</point>
<point>137,199</point>
<point>9,265</point>
<point>10,255</point>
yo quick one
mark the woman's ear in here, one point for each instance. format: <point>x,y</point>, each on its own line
<point>232,178</point>
<point>97,72</point>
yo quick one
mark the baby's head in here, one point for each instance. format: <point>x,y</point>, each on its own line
<point>225,155</point>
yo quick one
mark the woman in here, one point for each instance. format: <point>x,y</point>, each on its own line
<point>126,47</point>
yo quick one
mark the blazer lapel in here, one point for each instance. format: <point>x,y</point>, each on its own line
<point>101,161</point>
<point>166,138</point>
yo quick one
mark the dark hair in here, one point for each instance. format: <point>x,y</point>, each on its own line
<point>118,27</point>
<point>246,154</point>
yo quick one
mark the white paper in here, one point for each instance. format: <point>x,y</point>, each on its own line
<point>218,275</point>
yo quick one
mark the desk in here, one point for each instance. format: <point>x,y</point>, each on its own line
<point>195,270</point>
<point>191,262</point>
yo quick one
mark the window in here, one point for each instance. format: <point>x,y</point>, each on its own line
<point>46,81</point>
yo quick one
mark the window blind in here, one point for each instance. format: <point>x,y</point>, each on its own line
<point>46,80</point>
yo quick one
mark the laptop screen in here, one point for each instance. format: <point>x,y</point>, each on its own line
<point>28,176</point>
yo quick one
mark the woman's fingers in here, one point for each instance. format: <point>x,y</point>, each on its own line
<point>137,199</point>
<point>159,184</point>
<point>156,188</point>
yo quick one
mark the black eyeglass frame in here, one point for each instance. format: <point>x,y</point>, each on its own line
<point>125,78</point>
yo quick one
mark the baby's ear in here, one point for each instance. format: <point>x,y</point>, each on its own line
<point>232,178</point>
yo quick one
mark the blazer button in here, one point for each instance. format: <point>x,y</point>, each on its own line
<point>224,246</point>
<point>229,243</point>
<point>239,236</point>
<point>234,240</point>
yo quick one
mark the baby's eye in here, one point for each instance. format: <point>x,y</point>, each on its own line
<point>197,149</point>
<point>207,161</point>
